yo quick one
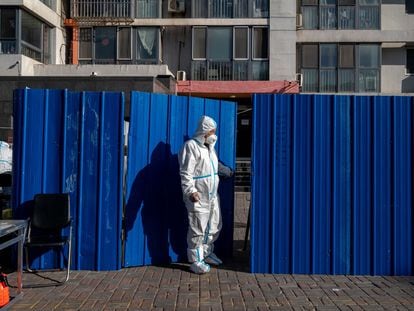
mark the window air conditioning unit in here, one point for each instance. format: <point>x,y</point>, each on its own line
<point>181,76</point>
<point>299,79</point>
<point>176,6</point>
<point>299,21</point>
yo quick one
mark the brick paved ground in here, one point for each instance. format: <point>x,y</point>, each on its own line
<point>228,288</point>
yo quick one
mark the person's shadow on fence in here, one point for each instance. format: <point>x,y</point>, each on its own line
<point>156,195</point>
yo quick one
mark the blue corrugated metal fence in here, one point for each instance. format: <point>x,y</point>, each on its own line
<point>155,216</point>
<point>72,142</point>
<point>332,185</point>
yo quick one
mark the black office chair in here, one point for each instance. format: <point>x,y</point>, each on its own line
<point>51,214</point>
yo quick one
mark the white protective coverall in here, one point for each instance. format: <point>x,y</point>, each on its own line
<point>199,170</point>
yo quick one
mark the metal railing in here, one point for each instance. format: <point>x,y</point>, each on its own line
<point>31,52</point>
<point>369,17</point>
<point>229,70</point>
<point>147,9</point>
<point>8,47</point>
<point>230,8</point>
<point>100,9</point>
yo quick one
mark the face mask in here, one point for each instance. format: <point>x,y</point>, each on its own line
<point>211,139</point>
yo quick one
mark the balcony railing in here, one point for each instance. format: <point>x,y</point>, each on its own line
<point>148,8</point>
<point>230,8</point>
<point>31,52</point>
<point>229,70</point>
<point>8,47</point>
<point>101,9</point>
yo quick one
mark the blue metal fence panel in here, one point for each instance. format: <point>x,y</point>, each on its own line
<point>332,184</point>
<point>322,187</point>
<point>402,217</point>
<point>301,172</point>
<point>72,142</point>
<point>155,215</point>
<point>362,172</point>
<point>341,183</point>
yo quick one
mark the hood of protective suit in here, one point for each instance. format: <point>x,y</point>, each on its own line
<point>205,124</point>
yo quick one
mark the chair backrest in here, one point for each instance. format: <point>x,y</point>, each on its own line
<point>51,211</point>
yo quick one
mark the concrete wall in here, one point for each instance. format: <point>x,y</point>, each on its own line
<point>393,70</point>
<point>282,45</point>
<point>101,70</point>
<point>38,9</point>
<point>394,77</point>
<point>176,44</point>
<point>16,64</point>
<point>394,16</point>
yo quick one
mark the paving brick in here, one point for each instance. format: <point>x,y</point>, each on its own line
<point>226,288</point>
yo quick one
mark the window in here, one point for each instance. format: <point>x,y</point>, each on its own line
<point>327,14</point>
<point>7,31</point>
<point>368,14</point>
<point>85,43</point>
<point>310,56</point>
<point>147,8</point>
<point>8,24</point>
<point>219,43</point>
<point>105,44</point>
<point>260,43</point>
<point>241,43</point>
<point>260,8</point>
<point>341,14</point>
<point>124,43</point>
<point>328,55</point>
<point>32,31</point>
<point>199,42</point>
<point>346,71</point>
<point>346,56</point>
<point>368,64</point>
<point>147,44</point>
<point>410,61</point>
<point>228,53</point>
<point>226,43</point>
<point>328,63</point>
<point>340,67</point>
<point>229,8</point>
<point>409,6</point>
<point>368,56</point>
<point>111,45</point>
<point>346,17</point>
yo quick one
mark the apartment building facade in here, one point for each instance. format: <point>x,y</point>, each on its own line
<point>328,45</point>
<point>213,48</point>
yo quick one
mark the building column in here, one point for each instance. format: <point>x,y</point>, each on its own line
<point>282,45</point>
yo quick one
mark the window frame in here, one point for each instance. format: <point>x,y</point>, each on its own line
<point>407,72</point>
<point>205,43</point>
<point>118,45</point>
<point>154,60</point>
<point>409,9</point>
<point>234,43</point>
<point>357,7</point>
<point>92,45</point>
<point>253,42</point>
<point>357,68</point>
<point>15,23</point>
<point>208,44</point>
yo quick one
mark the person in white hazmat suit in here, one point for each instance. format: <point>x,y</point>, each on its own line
<point>199,170</point>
